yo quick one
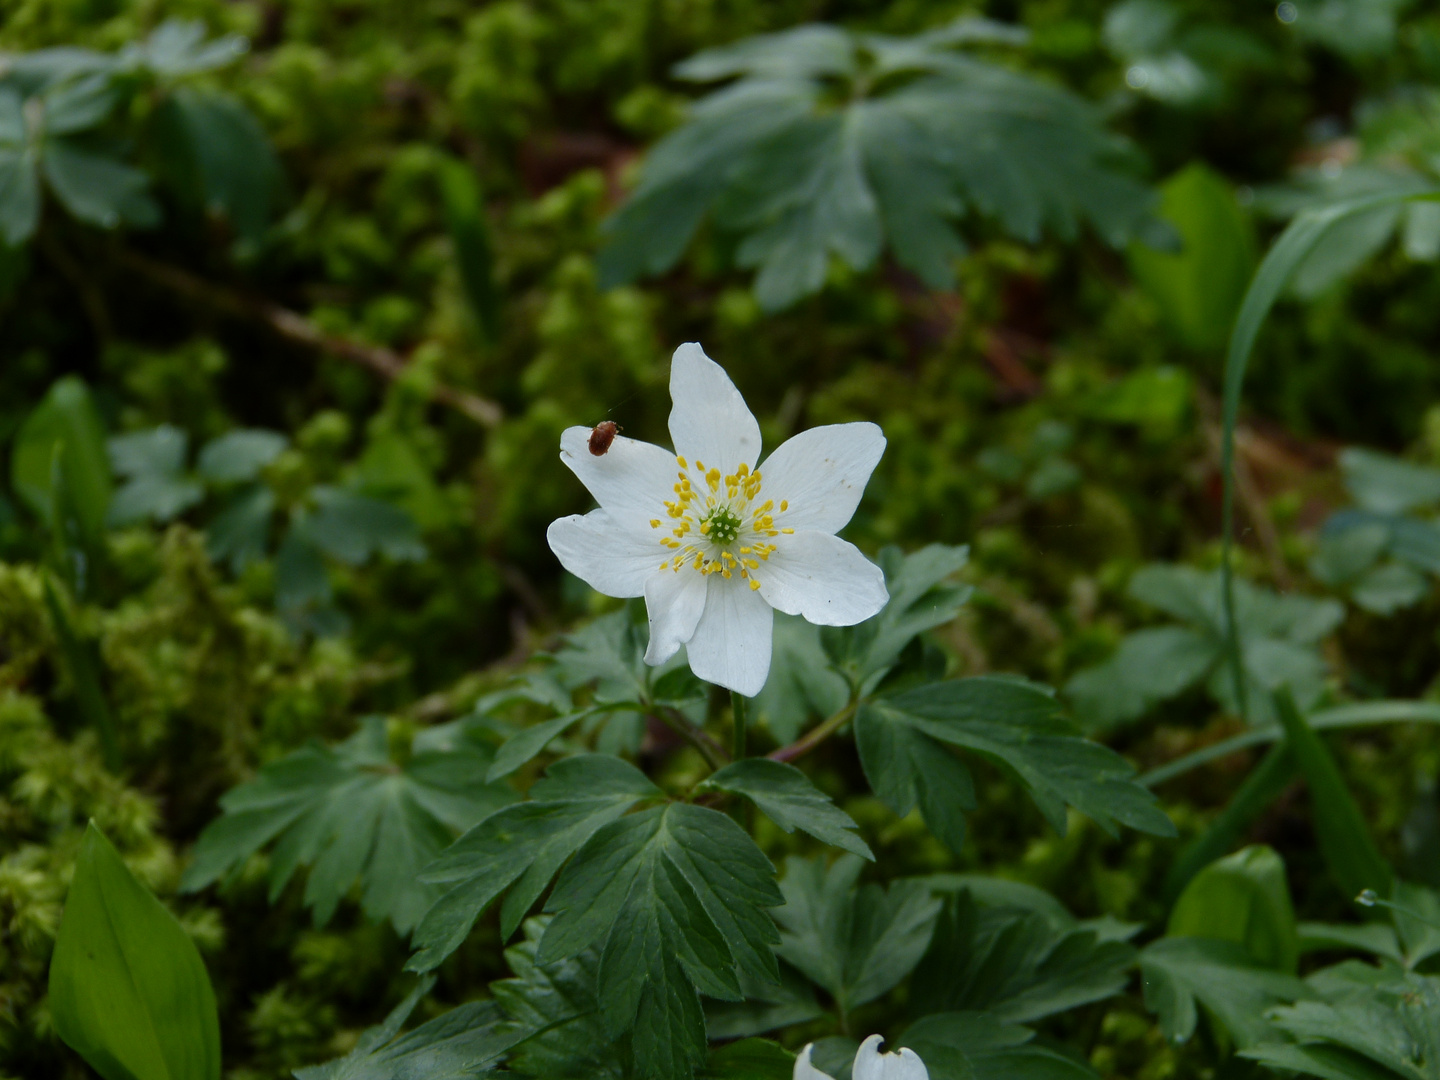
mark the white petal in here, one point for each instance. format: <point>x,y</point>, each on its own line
<point>632,479</point>
<point>731,645</point>
<point>822,473</point>
<point>610,559</point>
<point>804,1070</point>
<point>870,1064</point>
<point>823,578</point>
<point>673,600</point>
<point>709,420</point>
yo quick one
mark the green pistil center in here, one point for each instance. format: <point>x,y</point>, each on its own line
<point>723,526</point>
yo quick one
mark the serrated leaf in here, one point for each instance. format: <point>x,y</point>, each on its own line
<point>1180,973</point>
<point>128,991</point>
<point>354,528</point>
<point>921,138</point>
<point>526,745</point>
<point>677,896</point>
<point>1014,723</point>
<point>749,1059</point>
<point>240,533</point>
<point>1015,964</point>
<point>523,845</point>
<point>802,683</point>
<point>557,1002</point>
<point>97,189</point>
<point>608,652</point>
<point>785,795</point>
<point>979,1046</point>
<point>1150,666</point>
<point>855,943</point>
<point>349,813</point>
<point>766,1007</point>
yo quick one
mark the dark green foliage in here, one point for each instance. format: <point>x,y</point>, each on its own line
<point>353,812</point>
<point>835,143</point>
<point>785,795</point>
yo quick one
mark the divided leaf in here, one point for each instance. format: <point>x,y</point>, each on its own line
<point>917,138</point>
<point>786,796</point>
<point>903,740</point>
<point>675,896</point>
<point>980,1046</point>
<point>351,813</point>
<point>1015,964</point>
<point>523,845</point>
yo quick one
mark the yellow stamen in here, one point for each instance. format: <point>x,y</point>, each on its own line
<point>754,584</point>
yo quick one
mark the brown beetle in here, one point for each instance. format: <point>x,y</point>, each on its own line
<point>603,436</point>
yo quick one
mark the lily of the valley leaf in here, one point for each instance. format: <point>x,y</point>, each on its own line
<point>715,541</point>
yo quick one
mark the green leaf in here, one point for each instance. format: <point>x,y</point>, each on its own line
<point>178,47</point>
<point>855,943</point>
<point>78,105</point>
<point>676,897</point>
<point>128,991</point>
<point>1007,721</point>
<point>239,455</point>
<point>802,683</point>
<point>1242,898</point>
<point>1014,963</point>
<point>350,813</point>
<point>832,143</point>
<point>97,189</point>
<point>65,428</point>
<point>82,662</point>
<point>785,795</point>
<point>1386,484</point>
<point>220,157</point>
<point>523,845</point>
<point>354,528</point>
<point>557,1002</point>
<point>1199,288</point>
<point>609,653</point>
<point>19,194</point>
<point>153,464</point>
<point>1354,862</point>
<point>1180,973</point>
<point>766,1007</point>
<point>979,1046</point>
<point>470,235</point>
<point>1150,666</point>
<point>749,1059</point>
<point>240,533</point>
<point>528,744</point>
<point>463,1043</point>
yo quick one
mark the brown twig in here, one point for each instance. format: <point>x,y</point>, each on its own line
<point>711,750</point>
<point>295,328</point>
<point>815,736</point>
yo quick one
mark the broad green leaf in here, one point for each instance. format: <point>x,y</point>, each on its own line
<point>523,845</point>
<point>1242,898</point>
<point>1198,289</point>
<point>1150,666</point>
<point>465,1042</point>
<point>608,653</point>
<point>79,104</point>
<point>239,455</point>
<point>526,745</point>
<point>354,528</point>
<point>1180,973</point>
<point>767,1007</point>
<point>1354,862</point>
<point>676,896</point>
<point>153,465</point>
<point>1014,963</point>
<point>221,158</point>
<point>749,1059</point>
<point>350,813</point>
<point>97,189</point>
<point>470,235</point>
<point>1386,484</point>
<point>178,47</point>
<point>557,1002</point>
<point>831,144</point>
<point>128,991</point>
<point>785,795</point>
<point>1010,722</point>
<point>854,943</point>
<point>979,1046</point>
<point>1375,938</point>
<point>64,428</point>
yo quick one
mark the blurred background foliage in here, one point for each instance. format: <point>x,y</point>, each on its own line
<point>297,296</point>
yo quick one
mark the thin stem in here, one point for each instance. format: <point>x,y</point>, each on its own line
<point>815,736</point>
<point>739,718</point>
<point>703,741</point>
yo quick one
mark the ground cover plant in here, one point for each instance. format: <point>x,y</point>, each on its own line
<point>717,538</point>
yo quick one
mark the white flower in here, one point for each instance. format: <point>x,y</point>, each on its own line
<point>870,1064</point>
<point>714,542</point>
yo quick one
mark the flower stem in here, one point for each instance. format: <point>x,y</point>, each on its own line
<point>815,736</point>
<point>703,741</point>
<point>739,719</point>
